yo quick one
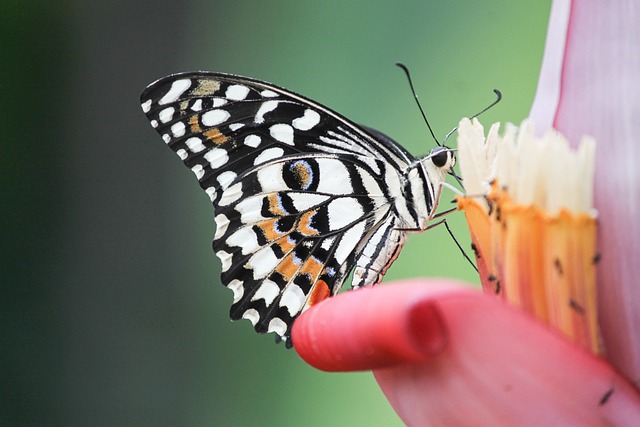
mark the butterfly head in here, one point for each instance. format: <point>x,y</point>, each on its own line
<point>438,162</point>
<point>443,158</point>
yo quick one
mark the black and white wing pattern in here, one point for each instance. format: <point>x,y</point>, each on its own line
<point>301,194</point>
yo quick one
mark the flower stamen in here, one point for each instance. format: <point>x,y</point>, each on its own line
<point>534,227</point>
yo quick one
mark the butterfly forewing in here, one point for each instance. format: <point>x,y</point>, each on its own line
<point>298,190</point>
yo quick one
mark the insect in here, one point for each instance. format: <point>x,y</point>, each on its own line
<point>302,195</point>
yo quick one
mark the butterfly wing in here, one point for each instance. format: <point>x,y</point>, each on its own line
<point>297,188</point>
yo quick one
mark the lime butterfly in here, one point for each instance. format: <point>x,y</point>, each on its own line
<point>302,196</point>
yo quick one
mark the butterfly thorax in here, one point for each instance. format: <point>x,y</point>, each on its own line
<point>415,203</point>
<point>421,185</point>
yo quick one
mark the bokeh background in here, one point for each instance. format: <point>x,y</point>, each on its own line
<point>111,311</point>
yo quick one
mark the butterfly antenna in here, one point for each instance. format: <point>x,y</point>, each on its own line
<point>498,98</point>
<point>415,96</point>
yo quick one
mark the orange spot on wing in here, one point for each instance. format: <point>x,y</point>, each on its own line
<point>288,267</point>
<point>312,267</point>
<point>319,292</point>
<point>274,205</point>
<point>194,124</point>
<point>302,174</point>
<point>304,224</point>
<point>285,244</point>
<point>214,135</point>
<point>268,228</point>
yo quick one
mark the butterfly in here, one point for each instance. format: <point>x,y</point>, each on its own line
<point>302,195</point>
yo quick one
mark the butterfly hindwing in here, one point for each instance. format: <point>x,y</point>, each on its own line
<point>290,240</point>
<point>297,189</point>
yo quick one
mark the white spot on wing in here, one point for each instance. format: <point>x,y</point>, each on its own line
<point>225,259</point>
<point>293,298</point>
<point>244,238</point>
<point>226,178</point>
<point>307,121</point>
<point>268,154</point>
<point>214,117</point>
<point>326,243</point>
<point>253,316</point>
<point>182,154</point>
<point>263,262</point>
<point>334,178</point>
<point>166,114</point>
<point>268,291</point>
<point>249,210</point>
<point>236,126</point>
<point>154,124</point>
<point>178,87</point>
<point>266,107</point>
<point>270,178</point>
<point>238,289</point>
<point>194,144</point>
<point>146,106</point>
<point>216,157</point>
<point>278,326</point>
<point>177,129</point>
<point>282,132</point>
<point>268,93</point>
<point>231,194</point>
<point>349,240</point>
<point>211,192</point>
<point>197,105</point>
<point>198,170</point>
<point>222,222</point>
<point>343,211</point>
<point>237,92</point>
<point>252,141</point>
<point>305,201</point>
<point>219,102</point>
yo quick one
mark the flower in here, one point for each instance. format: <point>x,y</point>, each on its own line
<point>589,85</point>
<point>446,355</point>
<point>531,217</point>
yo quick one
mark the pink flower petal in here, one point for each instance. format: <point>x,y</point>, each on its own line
<point>599,87</point>
<point>371,328</point>
<point>453,356</point>
<point>545,104</point>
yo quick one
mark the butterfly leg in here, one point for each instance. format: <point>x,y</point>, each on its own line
<point>378,254</point>
<point>436,200</point>
<point>434,215</point>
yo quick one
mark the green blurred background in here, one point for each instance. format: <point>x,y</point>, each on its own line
<point>112,313</point>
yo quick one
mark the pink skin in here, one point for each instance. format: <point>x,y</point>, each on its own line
<point>444,354</point>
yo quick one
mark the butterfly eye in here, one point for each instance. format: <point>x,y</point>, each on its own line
<point>440,156</point>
